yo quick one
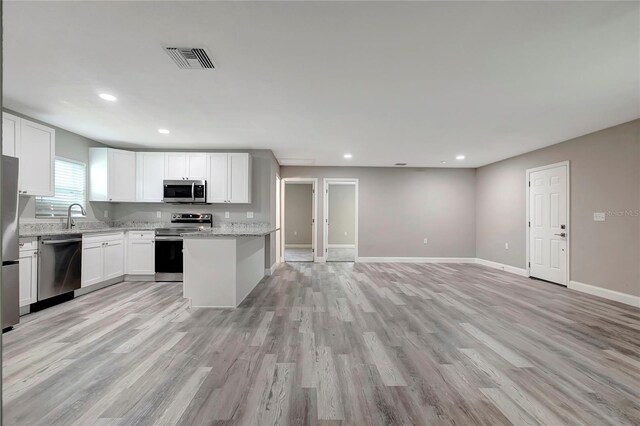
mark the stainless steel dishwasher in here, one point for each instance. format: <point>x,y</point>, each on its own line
<point>59,265</point>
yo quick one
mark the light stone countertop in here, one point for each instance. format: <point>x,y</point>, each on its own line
<point>219,232</point>
<point>28,234</point>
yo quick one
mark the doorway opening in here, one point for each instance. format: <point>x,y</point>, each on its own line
<point>341,220</point>
<point>548,231</point>
<point>298,220</point>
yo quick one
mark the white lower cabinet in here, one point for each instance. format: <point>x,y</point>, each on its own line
<point>102,257</point>
<point>141,255</point>
<point>28,273</point>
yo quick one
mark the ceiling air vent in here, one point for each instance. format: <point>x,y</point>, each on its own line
<point>189,58</point>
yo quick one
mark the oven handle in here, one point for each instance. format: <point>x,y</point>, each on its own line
<point>159,238</point>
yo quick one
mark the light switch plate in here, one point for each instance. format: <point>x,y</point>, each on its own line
<point>226,215</point>
<point>506,246</point>
<point>425,241</point>
<point>249,215</point>
<point>599,217</point>
<point>159,215</point>
<point>106,213</point>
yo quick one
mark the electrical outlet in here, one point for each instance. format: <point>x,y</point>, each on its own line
<point>345,233</point>
<point>506,246</point>
<point>226,215</point>
<point>425,241</point>
<point>106,213</point>
<point>249,215</point>
<point>159,215</point>
<point>599,217</point>
<point>295,232</point>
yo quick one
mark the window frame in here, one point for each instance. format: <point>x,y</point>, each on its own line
<point>75,213</point>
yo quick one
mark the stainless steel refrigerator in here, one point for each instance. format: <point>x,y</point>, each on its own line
<point>10,255</point>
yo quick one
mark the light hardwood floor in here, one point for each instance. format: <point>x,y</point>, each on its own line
<point>331,343</point>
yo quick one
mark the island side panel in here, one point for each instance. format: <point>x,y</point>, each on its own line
<point>210,272</point>
<point>250,265</point>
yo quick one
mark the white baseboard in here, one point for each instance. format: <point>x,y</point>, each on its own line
<point>320,259</point>
<point>341,246</point>
<point>270,271</point>
<point>297,246</point>
<point>502,267</point>
<point>627,299</point>
<point>415,259</point>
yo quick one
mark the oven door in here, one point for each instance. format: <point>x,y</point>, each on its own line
<point>168,258</point>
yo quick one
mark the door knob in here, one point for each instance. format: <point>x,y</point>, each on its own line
<point>562,234</point>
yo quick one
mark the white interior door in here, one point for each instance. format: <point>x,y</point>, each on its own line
<point>548,224</point>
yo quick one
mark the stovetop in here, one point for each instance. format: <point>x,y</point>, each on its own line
<point>180,230</point>
<point>182,223</point>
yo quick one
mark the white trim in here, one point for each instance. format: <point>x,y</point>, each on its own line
<point>341,246</point>
<point>314,211</point>
<point>527,218</point>
<point>297,246</point>
<point>320,259</point>
<point>325,211</point>
<point>502,267</point>
<point>270,271</point>
<point>605,293</point>
<point>415,259</point>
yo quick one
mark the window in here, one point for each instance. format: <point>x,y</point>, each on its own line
<point>70,187</point>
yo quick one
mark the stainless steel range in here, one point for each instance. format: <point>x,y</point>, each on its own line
<point>169,243</point>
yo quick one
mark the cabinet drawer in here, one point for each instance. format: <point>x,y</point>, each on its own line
<point>141,235</point>
<point>28,244</point>
<point>110,236</point>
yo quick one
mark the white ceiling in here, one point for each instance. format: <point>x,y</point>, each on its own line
<point>388,82</point>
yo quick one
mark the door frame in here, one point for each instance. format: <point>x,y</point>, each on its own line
<point>314,212</point>
<point>278,234</point>
<point>528,215</point>
<point>325,213</point>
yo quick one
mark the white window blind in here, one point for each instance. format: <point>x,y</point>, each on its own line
<point>70,187</point>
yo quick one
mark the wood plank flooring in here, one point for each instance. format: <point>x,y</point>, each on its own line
<point>328,344</point>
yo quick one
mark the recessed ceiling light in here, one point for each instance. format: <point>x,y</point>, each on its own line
<point>108,97</point>
<point>443,162</point>
<point>348,156</point>
<point>460,157</point>
<point>163,131</point>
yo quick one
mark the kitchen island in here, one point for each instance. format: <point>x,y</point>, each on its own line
<point>222,267</point>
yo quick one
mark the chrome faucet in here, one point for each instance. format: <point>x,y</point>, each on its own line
<point>70,223</point>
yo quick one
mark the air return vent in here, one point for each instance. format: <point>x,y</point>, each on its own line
<point>190,58</point>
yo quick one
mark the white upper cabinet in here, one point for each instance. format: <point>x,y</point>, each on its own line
<point>35,146</point>
<point>229,178</point>
<point>112,175</point>
<point>185,165</point>
<point>10,134</point>
<point>37,155</point>
<point>239,178</point>
<point>150,168</point>
<point>217,182</point>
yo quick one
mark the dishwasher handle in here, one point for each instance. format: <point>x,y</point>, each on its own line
<point>70,240</point>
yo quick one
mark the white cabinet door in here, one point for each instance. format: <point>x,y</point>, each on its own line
<point>113,259</point>
<point>28,277</point>
<point>149,176</point>
<point>218,184</point>
<point>121,175</point>
<point>37,151</point>
<point>92,263</point>
<point>141,254</point>
<point>10,134</point>
<point>196,166</point>
<point>239,178</point>
<point>175,164</point>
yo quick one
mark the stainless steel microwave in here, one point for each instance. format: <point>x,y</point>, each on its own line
<point>185,191</point>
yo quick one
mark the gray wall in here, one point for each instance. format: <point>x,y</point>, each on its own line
<point>342,214</point>
<point>398,208</point>
<point>298,203</point>
<point>75,147</point>
<point>605,177</point>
